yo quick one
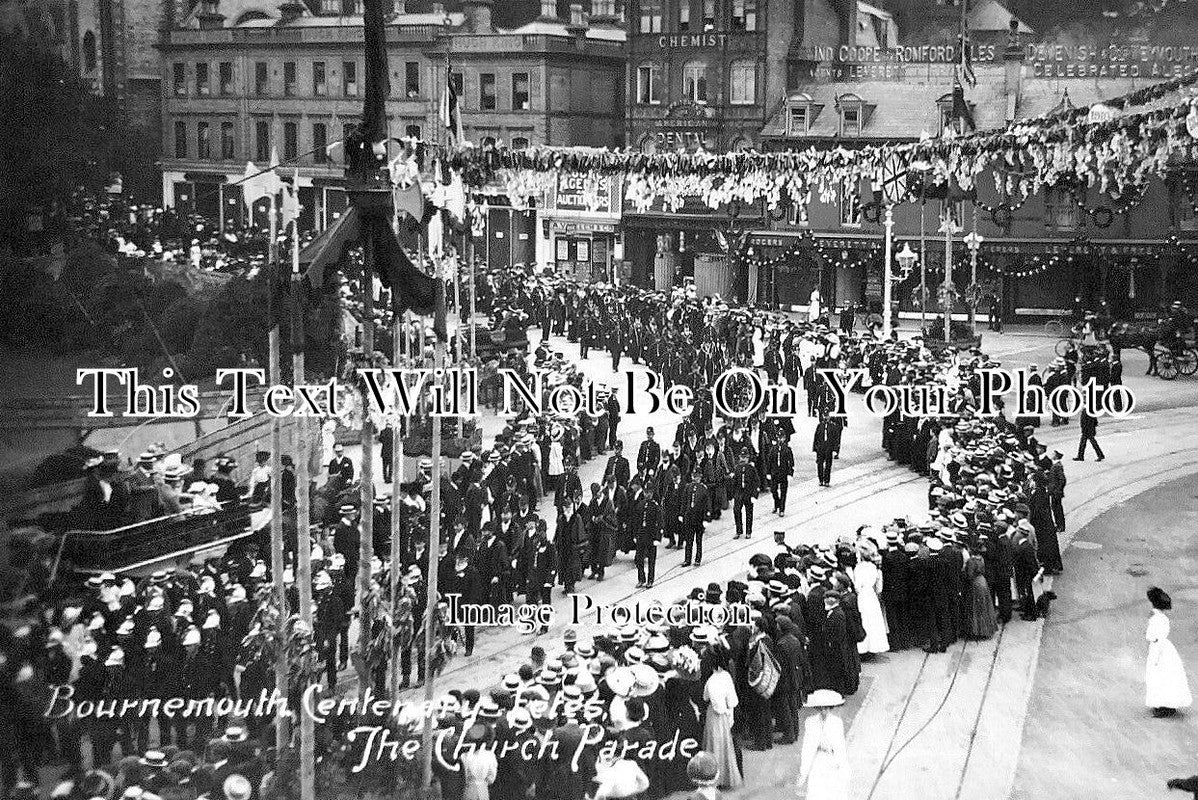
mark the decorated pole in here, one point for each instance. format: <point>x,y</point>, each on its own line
<point>434,550</point>
<point>457,336</point>
<point>923,271</point>
<point>303,523</point>
<point>947,227</point>
<point>887,275</point>
<point>282,669</point>
<point>366,525</point>
<point>398,359</point>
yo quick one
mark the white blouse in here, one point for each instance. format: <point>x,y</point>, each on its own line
<point>720,693</point>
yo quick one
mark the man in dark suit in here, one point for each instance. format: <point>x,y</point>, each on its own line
<point>649,455</point>
<point>1026,566</point>
<point>1000,567</point>
<point>792,683</point>
<point>465,581</point>
<point>693,509</point>
<point>646,522</point>
<point>341,465</point>
<point>779,467</point>
<point>618,468</point>
<point>613,419</point>
<point>824,447</point>
<point>745,486</point>
<point>1089,425</point>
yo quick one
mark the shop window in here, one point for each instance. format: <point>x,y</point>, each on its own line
<point>648,84</point>
<point>412,132</point>
<point>744,15</point>
<point>694,82</point>
<point>582,250</point>
<point>650,16</point>
<point>743,80</point>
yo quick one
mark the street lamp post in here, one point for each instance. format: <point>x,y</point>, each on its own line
<point>887,279</point>
<point>948,227</point>
<point>973,241</point>
<point>906,260</point>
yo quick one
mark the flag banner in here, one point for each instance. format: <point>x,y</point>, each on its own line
<point>451,116</point>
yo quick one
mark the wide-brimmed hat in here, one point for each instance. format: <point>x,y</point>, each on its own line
<point>824,698</point>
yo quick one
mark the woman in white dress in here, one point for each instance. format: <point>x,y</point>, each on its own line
<point>824,765</point>
<point>1166,688</point>
<point>479,766</point>
<point>867,580</point>
<point>720,694</point>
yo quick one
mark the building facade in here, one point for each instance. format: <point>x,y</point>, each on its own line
<point>242,80</point>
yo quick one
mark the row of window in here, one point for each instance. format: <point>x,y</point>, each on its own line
<point>316,152</point>
<point>224,148</point>
<point>742,83</point>
<point>266,81</point>
<point>698,15</point>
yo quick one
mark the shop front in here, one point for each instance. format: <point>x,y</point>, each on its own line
<point>580,229</point>
<point>788,268</point>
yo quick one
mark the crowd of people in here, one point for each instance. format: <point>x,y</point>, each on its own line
<point>817,609</point>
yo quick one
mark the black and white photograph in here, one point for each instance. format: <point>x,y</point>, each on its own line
<point>596,399</point>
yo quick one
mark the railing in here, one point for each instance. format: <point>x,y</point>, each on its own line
<point>141,544</point>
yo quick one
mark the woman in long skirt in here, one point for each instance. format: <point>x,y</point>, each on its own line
<point>824,764</point>
<point>1166,688</point>
<point>867,580</point>
<point>981,621</point>
<point>720,694</point>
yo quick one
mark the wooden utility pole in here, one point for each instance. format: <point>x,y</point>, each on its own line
<point>434,551</point>
<point>303,523</point>
<point>366,525</point>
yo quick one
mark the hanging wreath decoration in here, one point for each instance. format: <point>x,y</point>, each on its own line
<point>1002,216</point>
<point>872,212</point>
<point>1102,217</point>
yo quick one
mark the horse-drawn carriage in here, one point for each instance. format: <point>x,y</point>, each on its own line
<point>1170,351</point>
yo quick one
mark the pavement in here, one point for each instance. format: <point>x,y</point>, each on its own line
<point>1042,710</point>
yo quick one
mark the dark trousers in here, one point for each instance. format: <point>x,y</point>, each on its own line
<point>942,634</point>
<point>646,564</point>
<point>1092,439</point>
<point>611,434</point>
<point>692,539</point>
<point>1027,595</point>
<point>786,712</point>
<point>405,662</point>
<point>387,465</point>
<point>1000,588</point>
<point>823,467</point>
<point>326,645</point>
<point>468,631</point>
<point>1058,511</point>
<point>778,488</point>
<point>743,507</point>
<point>615,360</point>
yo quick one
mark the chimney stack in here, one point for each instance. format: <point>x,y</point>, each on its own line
<point>578,25</point>
<point>291,10</point>
<point>439,9</point>
<point>399,7</point>
<point>478,16</point>
<point>1013,71</point>
<point>210,17</point>
<point>549,10</point>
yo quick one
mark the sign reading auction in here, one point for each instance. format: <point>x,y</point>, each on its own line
<point>583,194</point>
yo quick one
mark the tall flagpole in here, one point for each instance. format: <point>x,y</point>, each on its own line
<point>434,553</point>
<point>457,337</point>
<point>303,523</point>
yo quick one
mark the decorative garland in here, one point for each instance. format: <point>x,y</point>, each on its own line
<point>1116,155</point>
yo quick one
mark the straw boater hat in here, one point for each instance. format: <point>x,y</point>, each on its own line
<point>824,698</point>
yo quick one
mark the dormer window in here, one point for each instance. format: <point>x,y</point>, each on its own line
<point>850,120</point>
<point>798,120</point>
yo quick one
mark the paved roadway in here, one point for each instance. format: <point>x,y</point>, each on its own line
<point>1023,715</point>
